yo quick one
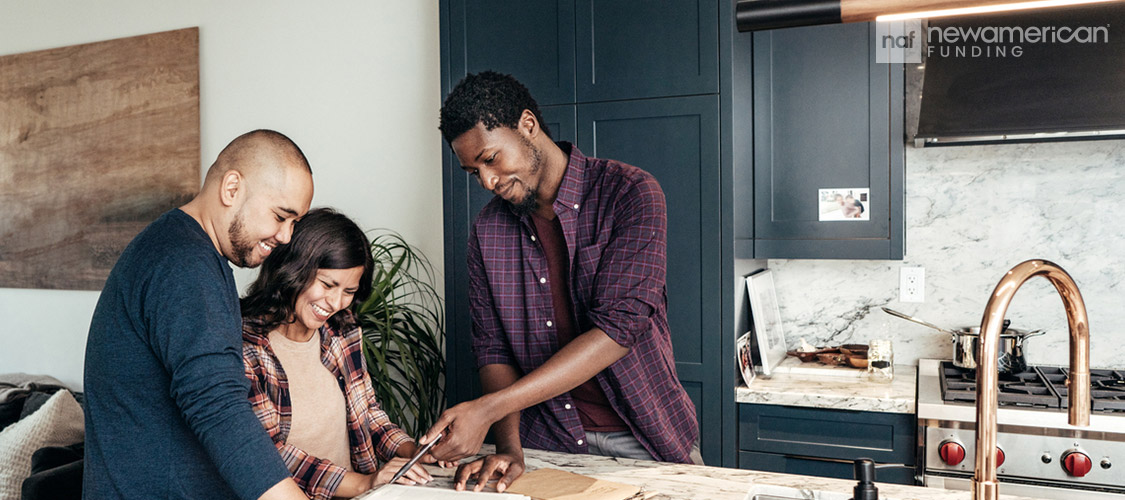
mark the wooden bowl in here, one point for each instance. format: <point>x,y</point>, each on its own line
<point>831,358</point>
<point>854,349</point>
<point>858,361</point>
<point>805,357</point>
<point>808,357</point>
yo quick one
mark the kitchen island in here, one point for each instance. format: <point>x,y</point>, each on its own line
<point>698,482</point>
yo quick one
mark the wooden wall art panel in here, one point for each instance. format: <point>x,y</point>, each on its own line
<point>96,141</point>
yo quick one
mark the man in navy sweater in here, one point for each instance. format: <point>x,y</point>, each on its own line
<point>167,414</point>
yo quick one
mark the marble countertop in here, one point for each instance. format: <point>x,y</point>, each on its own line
<point>813,385</point>
<point>699,482</point>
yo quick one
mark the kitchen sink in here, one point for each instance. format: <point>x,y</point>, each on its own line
<point>770,492</point>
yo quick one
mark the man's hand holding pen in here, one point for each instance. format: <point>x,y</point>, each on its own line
<point>463,427</point>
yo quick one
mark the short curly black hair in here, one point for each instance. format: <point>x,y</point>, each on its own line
<point>490,98</point>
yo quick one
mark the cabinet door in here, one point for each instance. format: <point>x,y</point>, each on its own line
<point>676,140</point>
<point>806,466</point>
<point>887,438</point>
<point>464,198</point>
<point>532,41</point>
<point>630,50</point>
<point>824,118</point>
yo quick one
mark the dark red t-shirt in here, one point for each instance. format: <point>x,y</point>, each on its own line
<point>593,407</point>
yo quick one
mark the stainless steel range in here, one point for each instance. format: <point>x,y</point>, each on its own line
<point>1040,454</point>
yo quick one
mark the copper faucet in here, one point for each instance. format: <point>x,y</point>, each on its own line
<point>985,486</point>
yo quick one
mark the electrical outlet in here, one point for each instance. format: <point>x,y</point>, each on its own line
<point>912,284</point>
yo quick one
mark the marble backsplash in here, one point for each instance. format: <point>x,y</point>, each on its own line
<point>973,212</point>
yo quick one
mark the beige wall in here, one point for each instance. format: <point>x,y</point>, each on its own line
<point>355,83</point>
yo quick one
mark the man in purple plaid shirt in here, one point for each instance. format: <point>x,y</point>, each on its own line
<point>567,297</point>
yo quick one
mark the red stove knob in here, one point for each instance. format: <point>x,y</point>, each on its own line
<point>1077,464</point>
<point>952,453</point>
<point>999,456</point>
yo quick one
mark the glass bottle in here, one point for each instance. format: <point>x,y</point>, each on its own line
<point>880,361</point>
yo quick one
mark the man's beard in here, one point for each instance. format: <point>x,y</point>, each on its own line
<point>530,202</point>
<point>241,249</point>
<point>527,206</point>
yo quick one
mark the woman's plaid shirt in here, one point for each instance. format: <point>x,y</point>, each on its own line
<point>370,432</point>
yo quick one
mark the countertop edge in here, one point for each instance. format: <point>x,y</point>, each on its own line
<point>836,392</point>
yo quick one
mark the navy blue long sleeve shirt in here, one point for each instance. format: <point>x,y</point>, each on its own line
<point>167,414</point>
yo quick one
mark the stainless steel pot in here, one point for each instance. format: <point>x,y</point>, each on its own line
<point>966,345</point>
<point>1011,359</point>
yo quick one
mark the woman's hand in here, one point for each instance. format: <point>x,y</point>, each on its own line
<point>416,475</point>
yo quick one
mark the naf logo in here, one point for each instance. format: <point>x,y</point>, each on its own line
<point>899,41</point>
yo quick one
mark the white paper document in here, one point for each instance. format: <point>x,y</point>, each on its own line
<point>403,492</point>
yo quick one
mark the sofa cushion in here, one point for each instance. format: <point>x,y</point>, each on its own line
<point>14,390</point>
<point>56,474</point>
<point>35,400</point>
<point>59,422</point>
<point>61,483</point>
<point>10,411</point>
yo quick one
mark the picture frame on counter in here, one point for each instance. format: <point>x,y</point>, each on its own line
<point>746,358</point>
<point>766,320</point>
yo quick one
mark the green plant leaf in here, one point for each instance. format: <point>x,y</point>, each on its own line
<point>403,325</point>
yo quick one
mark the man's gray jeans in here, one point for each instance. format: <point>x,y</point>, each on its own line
<point>623,444</point>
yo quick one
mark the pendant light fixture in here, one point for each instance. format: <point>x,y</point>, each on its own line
<point>752,15</point>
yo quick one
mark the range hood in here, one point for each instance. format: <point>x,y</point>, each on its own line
<point>1055,74</point>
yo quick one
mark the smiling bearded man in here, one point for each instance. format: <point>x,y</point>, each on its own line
<point>166,408</point>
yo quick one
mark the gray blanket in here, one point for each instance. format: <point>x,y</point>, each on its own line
<point>15,386</point>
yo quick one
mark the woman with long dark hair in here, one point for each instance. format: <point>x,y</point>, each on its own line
<point>302,350</point>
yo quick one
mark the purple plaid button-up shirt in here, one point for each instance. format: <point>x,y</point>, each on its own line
<point>614,220</point>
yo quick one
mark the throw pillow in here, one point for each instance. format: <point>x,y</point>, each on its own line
<point>35,400</point>
<point>59,422</point>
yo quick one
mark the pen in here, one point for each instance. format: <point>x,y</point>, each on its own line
<point>425,449</point>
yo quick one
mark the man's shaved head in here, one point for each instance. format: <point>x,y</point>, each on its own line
<point>259,185</point>
<point>258,154</point>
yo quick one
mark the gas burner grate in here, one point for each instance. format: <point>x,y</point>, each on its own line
<point>1107,388</point>
<point>957,385</point>
<point>1022,390</point>
<point>1108,382</point>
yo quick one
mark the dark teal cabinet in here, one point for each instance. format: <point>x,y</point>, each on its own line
<point>588,50</point>
<point>676,140</point>
<point>533,41</point>
<point>824,442</point>
<point>825,115</point>
<point>562,121</point>
<point>630,50</point>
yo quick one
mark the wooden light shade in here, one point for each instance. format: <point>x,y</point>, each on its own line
<point>754,15</point>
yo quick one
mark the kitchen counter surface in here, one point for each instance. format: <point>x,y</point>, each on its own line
<point>813,385</point>
<point>678,481</point>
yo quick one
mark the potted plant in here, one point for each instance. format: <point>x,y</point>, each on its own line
<point>404,334</point>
